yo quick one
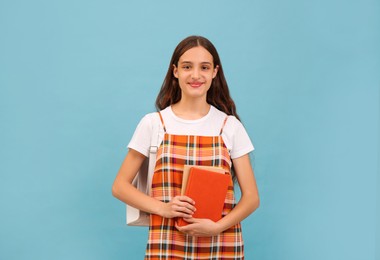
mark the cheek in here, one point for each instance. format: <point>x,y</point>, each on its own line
<point>181,82</point>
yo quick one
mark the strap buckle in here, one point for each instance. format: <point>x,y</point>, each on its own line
<point>153,149</point>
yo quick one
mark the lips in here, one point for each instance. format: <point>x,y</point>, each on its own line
<point>196,84</point>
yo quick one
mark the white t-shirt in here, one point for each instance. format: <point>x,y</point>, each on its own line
<point>234,134</point>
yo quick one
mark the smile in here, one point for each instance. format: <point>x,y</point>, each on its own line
<point>196,84</point>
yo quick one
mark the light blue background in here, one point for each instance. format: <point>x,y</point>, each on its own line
<point>77,76</point>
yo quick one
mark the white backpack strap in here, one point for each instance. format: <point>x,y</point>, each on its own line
<point>143,179</point>
<point>153,151</point>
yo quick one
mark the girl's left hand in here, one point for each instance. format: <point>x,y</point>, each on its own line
<point>200,227</point>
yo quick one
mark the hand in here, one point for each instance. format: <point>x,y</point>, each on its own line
<point>179,206</point>
<point>200,227</point>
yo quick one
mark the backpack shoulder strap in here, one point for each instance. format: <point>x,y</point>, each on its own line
<point>153,150</point>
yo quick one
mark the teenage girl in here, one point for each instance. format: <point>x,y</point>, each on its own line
<point>200,126</point>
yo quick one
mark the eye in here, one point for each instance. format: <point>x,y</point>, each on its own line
<point>186,67</point>
<point>205,67</point>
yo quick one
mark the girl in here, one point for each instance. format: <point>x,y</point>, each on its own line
<point>200,127</point>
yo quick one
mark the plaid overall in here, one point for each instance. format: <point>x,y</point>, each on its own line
<point>165,241</point>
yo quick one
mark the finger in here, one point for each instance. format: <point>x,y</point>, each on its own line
<point>182,215</point>
<point>183,204</point>
<point>183,209</point>
<point>190,220</point>
<point>187,199</point>
<point>182,229</point>
<point>181,212</point>
<point>187,206</point>
<point>177,227</point>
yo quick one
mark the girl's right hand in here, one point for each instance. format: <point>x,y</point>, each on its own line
<point>179,206</point>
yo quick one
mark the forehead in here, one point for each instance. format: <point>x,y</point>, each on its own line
<point>196,54</point>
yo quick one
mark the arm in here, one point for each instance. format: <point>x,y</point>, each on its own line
<point>249,200</point>
<point>248,203</point>
<point>180,206</point>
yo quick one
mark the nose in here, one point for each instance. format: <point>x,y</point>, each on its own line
<point>195,74</point>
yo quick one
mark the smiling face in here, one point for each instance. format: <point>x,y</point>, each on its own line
<point>195,72</point>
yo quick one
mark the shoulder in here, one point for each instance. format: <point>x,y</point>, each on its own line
<point>217,115</point>
<point>148,120</point>
<point>236,138</point>
<point>147,125</point>
<point>232,127</point>
<point>142,137</point>
<point>231,122</point>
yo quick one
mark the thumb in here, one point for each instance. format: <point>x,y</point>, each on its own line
<point>190,220</point>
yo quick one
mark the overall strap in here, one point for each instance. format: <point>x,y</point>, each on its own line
<point>162,121</point>
<point>224,123</point>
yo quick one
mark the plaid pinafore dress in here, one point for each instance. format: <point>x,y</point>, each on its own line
<point>165,241</point>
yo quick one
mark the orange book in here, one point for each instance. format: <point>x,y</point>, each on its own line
<point>186,171</point>
<point>208,189</point>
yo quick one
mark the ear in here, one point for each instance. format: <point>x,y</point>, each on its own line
<point>215,72</point>
<point>175,71</point>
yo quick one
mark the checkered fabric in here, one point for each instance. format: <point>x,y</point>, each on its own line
<point>165,241</point>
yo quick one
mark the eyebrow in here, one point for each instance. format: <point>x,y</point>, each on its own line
<point>204,62</point>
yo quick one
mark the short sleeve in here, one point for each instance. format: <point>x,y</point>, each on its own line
<point>237,139</point>
<point>141,138</point>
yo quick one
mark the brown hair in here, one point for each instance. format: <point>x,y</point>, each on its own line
<point>218,95</point>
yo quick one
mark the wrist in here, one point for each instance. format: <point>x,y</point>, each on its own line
<point>159,209</point>
<point>221,225</point>
<point>218,228</point>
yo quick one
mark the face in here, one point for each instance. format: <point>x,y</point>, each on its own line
<point>195,72</point>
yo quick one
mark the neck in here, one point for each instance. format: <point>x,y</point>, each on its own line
<point>191,109</point>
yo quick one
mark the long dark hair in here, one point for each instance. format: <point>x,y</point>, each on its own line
<point>218,95</point>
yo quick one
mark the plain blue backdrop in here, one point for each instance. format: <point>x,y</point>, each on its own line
<point>77,76</point>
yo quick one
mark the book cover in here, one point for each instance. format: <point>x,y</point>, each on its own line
<point>186,171</point>
<point>208,189</point>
